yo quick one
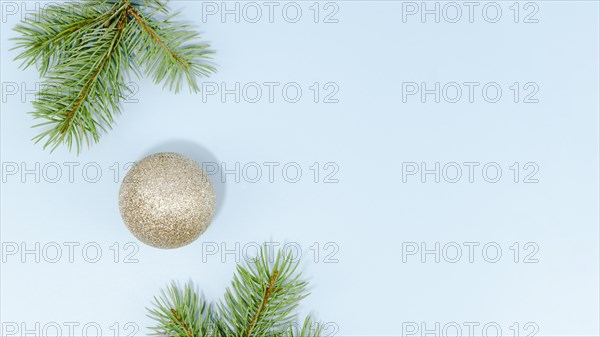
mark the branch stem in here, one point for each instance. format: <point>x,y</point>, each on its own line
<point>260,309</point>
<point>180,321</point>
<point>150,31</point>
<point>69,116</point>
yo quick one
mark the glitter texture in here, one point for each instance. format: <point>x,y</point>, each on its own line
<point>167,200</point>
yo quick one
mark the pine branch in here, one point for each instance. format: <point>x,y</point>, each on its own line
<point>266,297</point>
<point>181,313</point>
<point>263,296</point>
<point>79,106</point>
<point>163,49</point>
<point>85,50</point>
<point>260,303</point>
<point>310,328</point>
<point>47,37</point>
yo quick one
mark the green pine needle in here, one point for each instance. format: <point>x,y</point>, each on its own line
<point>261,302</point>
<point>85,50</point>
<point>181,313</point>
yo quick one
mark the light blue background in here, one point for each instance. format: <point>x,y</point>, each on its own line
<point>370,211</point>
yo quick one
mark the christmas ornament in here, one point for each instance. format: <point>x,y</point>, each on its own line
<point>167,200</point>
<point>85,50</point>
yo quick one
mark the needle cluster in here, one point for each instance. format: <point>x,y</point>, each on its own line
<point>260,302</point>
<point>84,52</point>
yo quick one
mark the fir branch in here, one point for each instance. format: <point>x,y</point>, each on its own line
<point>260,303</point>
<point>181,313</point>
<point>263,296</point>
<point>270,289</point>
<point>85,50</point>
<point>310,328</point>
<point>180,321</point>
<point>80,106</point>
<point>164,50</point>
<point>95,73</point>
<point>47,36</point>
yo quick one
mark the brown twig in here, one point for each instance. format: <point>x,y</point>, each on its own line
<point>150,31</point>
<point>182,323</point>
<point>268,293</point>
<point>71,114</point>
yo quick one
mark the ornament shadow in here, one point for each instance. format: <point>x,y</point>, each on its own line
<point>201,155</point>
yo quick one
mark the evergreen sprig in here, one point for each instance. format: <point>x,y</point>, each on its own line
<point>260,302</point>
<point>85,50</point>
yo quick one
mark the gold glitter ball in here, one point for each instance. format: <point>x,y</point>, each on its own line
<point>167,200</point>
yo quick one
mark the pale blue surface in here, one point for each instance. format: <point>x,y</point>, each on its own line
<point>369,134</point>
